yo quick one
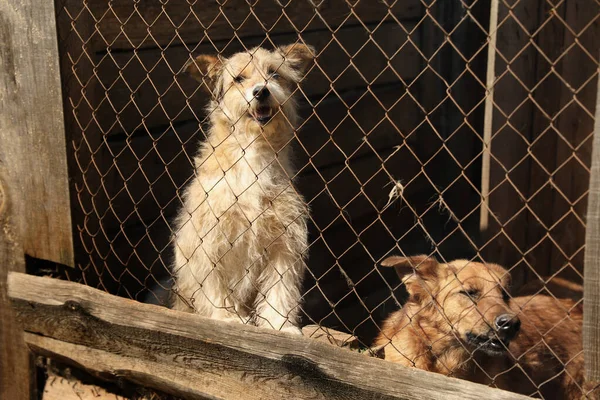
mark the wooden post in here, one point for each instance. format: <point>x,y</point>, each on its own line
<point>14,357</point>
<point>35,215</point>
<point>591,303</point>
<point>488,115</point>
<point>33,160</point>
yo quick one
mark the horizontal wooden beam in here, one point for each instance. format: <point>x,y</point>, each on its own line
<point>194,357</point>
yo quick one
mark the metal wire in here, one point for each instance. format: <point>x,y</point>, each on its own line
<point>389,148</point>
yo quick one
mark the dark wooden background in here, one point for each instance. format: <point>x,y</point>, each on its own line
<point>396,95</point>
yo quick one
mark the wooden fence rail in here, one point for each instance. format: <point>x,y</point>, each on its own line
<point>194,357</point>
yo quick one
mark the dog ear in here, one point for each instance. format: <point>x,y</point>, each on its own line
<point>422,265</point>
<point>205,69</point>
<point>299,55</point>
<point>415,272</point>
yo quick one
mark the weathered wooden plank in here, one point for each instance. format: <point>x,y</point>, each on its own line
<point>125,25</point>
<point>542,144</point>
<point>14,356</point>
<point>511,130</point>
<point>190,355</point>
<point>547,138</point>
<point>547,98</point>
<point>591,281</point>
<point>488,113</point>
<point>34,203</point>
<point>577,69</point>
<point>144,89</point>
<point>32,143</point>
<point>178,381</point>
<point>331,336</point>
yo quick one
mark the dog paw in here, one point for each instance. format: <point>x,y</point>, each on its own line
<point>292,329</point>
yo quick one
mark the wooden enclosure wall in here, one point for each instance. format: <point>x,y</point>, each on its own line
<point>543,118</point>
<point>395,99</point>
<point>376,112</point>
<point>392,100</point>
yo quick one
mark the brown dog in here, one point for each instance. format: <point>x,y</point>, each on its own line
<point>458,322</point>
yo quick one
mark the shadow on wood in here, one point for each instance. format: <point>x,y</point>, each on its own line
<point>194,357</point>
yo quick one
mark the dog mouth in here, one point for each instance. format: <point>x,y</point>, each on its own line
<point>262,114</point>
<point>492,345</point>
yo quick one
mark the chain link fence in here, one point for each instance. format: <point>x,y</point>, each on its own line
<point>426,127</point>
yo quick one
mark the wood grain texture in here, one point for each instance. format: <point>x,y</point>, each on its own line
<point>542,125</point>
<point>591,288</point>
<point>575,124</point>
<point>145,89</point>
<point>32,144</point>
<point>488,113</point>
<point>194,357</point>
<point>14,355</point>
<point>510,129</point>
<point>125,25</point>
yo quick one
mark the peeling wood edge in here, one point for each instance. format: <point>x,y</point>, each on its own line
<point>35,299</point>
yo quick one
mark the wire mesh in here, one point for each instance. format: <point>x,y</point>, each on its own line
<point>387,152</point>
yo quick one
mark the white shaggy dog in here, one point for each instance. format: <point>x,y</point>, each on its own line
<point>241,236</point>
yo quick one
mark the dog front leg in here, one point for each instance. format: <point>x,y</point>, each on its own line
<point>278,301</point>
<point>200,289</point>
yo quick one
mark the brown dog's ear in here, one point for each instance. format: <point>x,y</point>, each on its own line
<point>299,55</point>
<point>205,69</point>
<point>415,272</point>
<point>422,265</point>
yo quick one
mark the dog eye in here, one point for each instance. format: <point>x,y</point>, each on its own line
<point>238,79</point>
<point>272,73</point>
<point>471,293</point>
<point>505,296</point>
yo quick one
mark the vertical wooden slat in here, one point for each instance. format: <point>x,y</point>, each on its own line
<point>580,40</point>
<point>488,115</point>
<point>35,215</point>
<point>15,367</point>
<point>505,238</point>
<point>540,133</point>
<point>32,140</point>
<point>591,303</point>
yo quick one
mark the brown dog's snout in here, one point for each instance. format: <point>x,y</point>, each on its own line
<point>260,93</point>
<point>507,325</point>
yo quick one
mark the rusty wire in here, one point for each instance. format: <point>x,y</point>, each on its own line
<point>120,171</point>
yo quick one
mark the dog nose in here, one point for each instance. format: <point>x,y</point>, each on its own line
<point>260,93</point>
<point>508,324</point>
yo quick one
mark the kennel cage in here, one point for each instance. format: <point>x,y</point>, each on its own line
<point>461,129</point>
